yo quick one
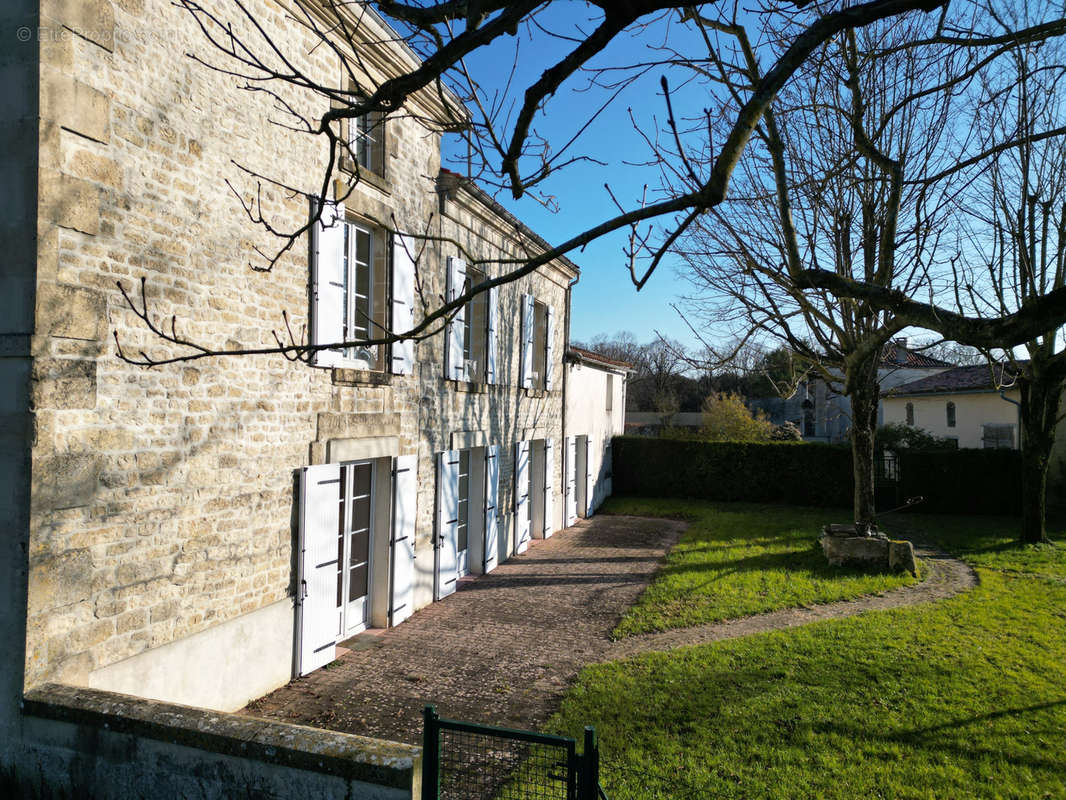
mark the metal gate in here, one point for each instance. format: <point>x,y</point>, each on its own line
<point>466,761</point>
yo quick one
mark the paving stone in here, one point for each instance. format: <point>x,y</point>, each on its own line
<point>502,650</point>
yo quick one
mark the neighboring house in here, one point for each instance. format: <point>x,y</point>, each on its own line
<point>965,404</point>
<point>200,533</point>
<point>822,414</point>
<point>651,423</point>
<point>595,412</point>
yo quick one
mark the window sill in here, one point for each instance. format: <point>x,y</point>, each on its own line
<point>535,392</point>
<point>346,376</point>
<point>364,175</point>
<point>471,387</point>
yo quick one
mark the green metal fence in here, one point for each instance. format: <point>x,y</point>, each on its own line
<point>466,761</point>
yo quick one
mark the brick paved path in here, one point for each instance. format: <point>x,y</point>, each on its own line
<point>502,649</point>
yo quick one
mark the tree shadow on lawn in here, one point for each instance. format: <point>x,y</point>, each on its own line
<point>723,719</point>
<point>809,563</point>
<point>932,738</point>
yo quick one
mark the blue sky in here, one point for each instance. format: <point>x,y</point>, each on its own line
<point>605,300</point>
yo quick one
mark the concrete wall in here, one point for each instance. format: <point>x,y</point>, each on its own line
<point>163,511</point>
<point>587,415</point>
<point>200,670</point>
<point>19,66</point>
<point>85,743</point>
<point>972,411</point>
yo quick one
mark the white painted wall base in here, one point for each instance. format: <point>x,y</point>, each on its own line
<point>222,668</point>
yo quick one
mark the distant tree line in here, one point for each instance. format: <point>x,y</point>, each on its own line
<point>668,377</point>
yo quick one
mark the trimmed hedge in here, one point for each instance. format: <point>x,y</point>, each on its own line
<point>762,472</point>
<point>952,481</point>
<point>962,481</point>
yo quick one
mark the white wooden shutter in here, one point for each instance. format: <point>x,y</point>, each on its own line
<point>521,497</point>
<point>404,500</point>
<point>492,338</point>
<point>403,304</point>
<point>492,493</point>
<point>570,486</point>
<point>590,479</point>
<point>549,495</point>
<point>527,341</point>
<point>328,300</point>
<point>454,365</point>
<point>447,522</point>
<point>319,617</point>
<point>549,350</point>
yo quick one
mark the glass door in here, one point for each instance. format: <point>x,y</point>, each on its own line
<point>353,546</point>
<point>462,528</point>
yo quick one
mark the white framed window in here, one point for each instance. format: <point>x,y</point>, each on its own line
<point>462,525</point>
<point>476,329</point>
<point>362,288</point>
<point>471,339</point>
<point>364,295</point>
<point>365,138</point>
<point>610,393</point>
<point>538,344</point>
<point>997,436</point>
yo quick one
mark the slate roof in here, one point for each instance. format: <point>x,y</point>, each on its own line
<point>960,379</point>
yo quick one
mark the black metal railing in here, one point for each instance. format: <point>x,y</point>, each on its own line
<point>468,761</point>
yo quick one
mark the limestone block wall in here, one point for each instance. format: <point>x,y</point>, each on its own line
<point>163,499</point>
<point>455,415</point>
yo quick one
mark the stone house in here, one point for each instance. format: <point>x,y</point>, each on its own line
<point>198,533</point>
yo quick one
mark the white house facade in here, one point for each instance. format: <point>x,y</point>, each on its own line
<point>963,404</point>
<point>595,412</point>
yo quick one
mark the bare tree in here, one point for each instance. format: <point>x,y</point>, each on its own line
<point>620,346</point>
<point>1018,240</point>
<point>499,129</point>
<point>1011,260</point>
<point>507,153</point>
<point>825,183</point>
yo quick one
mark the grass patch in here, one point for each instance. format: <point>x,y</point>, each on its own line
<point>737,559</point>
<point>961,698</point>
<point>989,542</point>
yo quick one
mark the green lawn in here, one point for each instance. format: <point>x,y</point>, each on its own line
<point>739,559</point>
<point>962,698</point>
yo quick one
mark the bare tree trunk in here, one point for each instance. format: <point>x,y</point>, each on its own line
<point>1039,415</point>
<point>863,393</point>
